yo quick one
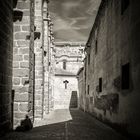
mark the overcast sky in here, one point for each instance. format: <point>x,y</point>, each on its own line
<point>73,19</point>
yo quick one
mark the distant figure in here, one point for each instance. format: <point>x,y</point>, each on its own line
<point>25,125</point>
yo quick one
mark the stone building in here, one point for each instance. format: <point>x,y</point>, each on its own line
<point>6,56</point>
<point>111,73</point>
<point>33,40</point>
<point>23,59</point>
<point>68,57</point>
<point>27,62</point>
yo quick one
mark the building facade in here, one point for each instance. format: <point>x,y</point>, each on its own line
<point>28,60</point>
<point>33,43</point>
<point>68,58</point>
<point>111,72</point>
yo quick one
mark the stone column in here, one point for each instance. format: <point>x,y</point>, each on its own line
<point>38,60</point>
<point>46,20</point>
<point>47,59</point>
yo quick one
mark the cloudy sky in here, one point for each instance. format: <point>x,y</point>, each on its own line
<point>73,19</point>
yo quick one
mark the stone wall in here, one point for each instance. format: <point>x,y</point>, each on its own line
<point>27,54</point>
<point>43,47</point>
<point>72,53</point>
<point>31,96</point>
<point>31,43</point>
<point>48,60</point>
<point>68,59</point>
<point>81,88</point>
<point>6,54</point>
<point>21,59</point>
<point>46,46</point>
<point>63,96</point>
<point>112,65</point>
<point>38,59</point>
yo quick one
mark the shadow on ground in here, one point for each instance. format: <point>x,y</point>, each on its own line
<point>80,126</point>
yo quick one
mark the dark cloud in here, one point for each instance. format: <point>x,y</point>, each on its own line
<point>73,19</point>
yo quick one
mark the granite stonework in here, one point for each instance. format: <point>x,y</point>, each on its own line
<point>22,52</point>
<point>29,60</point>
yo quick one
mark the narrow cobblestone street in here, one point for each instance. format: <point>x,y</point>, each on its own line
<point>67,125</point>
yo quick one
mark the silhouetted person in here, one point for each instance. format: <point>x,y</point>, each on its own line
<point>25,125</point>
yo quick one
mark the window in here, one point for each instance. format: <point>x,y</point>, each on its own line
<point>88,59</point>
<point>64,65</point>
<point>96,47</point>
<point>125,76</point>
<point>45,53</point>
<point>88,90</point>
<point>100,84</point>
<point>124,5</point>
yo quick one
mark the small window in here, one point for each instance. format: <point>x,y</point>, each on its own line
<point>64,65</point>
<point>125,76</point>
<point>100,84</point>
<point>45,53</point>
<point>96,47</point>
<point>124,5</point>
<point>88,90</point>
<point>88,59</point>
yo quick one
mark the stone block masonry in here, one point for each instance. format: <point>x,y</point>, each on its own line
<point>48,61</point>
<point>42,58</point>
<point>23,47</point>
<point>39,60</point>
<point>31,95</point>
<point>6,53</point>
<point>23,60</point>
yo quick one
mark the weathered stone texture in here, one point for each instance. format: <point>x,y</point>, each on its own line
<point>21,61</point>
<point>63,97</point>
<point>66,94</point>
<point>81,87</point>
<point>38,58</point>
<point>28,53</point>
<point>31,63</point>
<point>6,53</point>
<point>113,43</point>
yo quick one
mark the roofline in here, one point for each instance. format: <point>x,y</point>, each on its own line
<point>80,70</point>
<point>68,75</point>
<point>95,22</point>
<point>70,43</point>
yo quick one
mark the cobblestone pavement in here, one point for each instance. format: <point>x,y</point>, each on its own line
<point>67,125</point>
